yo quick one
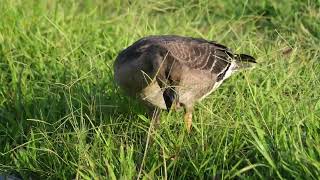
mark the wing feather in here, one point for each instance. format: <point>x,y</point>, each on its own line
<point>204,55</point>
<point>195,53</point>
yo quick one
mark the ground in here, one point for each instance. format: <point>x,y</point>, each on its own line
<point>63,117</point>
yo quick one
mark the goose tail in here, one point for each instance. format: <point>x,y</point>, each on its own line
<point>244,61</point>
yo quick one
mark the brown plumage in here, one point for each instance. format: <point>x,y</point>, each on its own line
<point>167,71</point>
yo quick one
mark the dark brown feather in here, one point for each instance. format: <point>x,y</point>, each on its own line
<point>194,52</point>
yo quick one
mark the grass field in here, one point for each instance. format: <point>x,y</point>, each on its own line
<point>63,117</point>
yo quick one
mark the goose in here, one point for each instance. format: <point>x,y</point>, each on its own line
<point>175,72</point>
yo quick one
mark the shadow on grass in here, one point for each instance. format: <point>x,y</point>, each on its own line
<point>53,111</point>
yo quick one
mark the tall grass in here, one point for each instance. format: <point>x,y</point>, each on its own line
<point>62,116</point>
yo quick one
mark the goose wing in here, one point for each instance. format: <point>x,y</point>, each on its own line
<point>200,54</point>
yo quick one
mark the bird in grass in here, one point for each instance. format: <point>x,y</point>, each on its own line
<point>172,72</point>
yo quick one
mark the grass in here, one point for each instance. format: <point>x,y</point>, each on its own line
<point>62,116</point>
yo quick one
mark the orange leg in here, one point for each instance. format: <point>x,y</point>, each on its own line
<point>188,118</point>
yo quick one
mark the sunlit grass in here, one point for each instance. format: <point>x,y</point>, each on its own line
<point>62,116</point>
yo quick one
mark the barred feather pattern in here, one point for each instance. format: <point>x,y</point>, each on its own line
<point>195,53</point>
<point>200,55</point>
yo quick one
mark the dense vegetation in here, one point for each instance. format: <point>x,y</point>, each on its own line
<point>62,116</point>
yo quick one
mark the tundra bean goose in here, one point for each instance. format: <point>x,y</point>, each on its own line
<point>174,71</point>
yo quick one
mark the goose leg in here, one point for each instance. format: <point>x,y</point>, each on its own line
<point>154,114</point>
<point>188,118</point>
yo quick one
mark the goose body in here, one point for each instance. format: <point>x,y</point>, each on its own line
<point>167,70</point>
